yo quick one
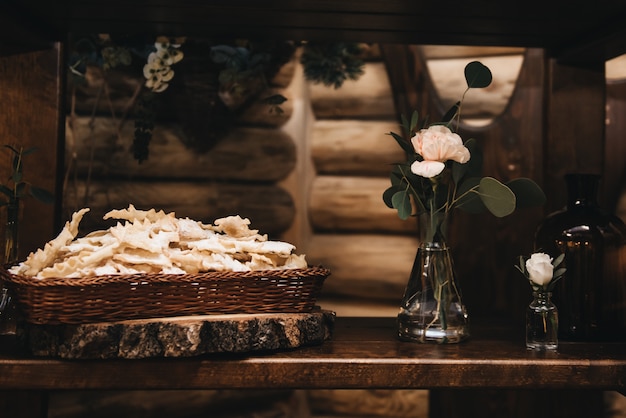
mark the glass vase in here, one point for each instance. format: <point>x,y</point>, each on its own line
<point>432,309</point>
<point>10,254</point>
<point>542,323</point>
<point>591,295</point>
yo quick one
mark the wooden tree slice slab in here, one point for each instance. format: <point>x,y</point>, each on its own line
<point>178,337</point>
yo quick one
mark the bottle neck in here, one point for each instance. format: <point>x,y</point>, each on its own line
<point>582,190</point>
<point>542,296</point>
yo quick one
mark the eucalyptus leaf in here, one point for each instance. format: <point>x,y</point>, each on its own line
<point>401,174</point>
<point>402,203</point>
<point>388,194</point>
<point>467,195</point>
<point>497,197</point>
<point>527,192</point>
<point>477,75</point>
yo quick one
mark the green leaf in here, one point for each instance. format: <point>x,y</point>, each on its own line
<point>12,148</point>
<point>17,176</point>
<point>477,75</point>
<point>17,166</point>
<point>29,151</point>
<point>522,265</point>
<point>497,197</point>
<point>471,168</point>
<point>20,190</point>
<point>275,99</point>
<point>527,192</point>
<point>42,195</point>
<point>402,202</point>
<point>6,191</point>
<point>468,199</point>
<point>407,146</point>
<point>388,195</point>
<point>404,123</point>
<point>451,113</point>
<point>414,122</point>
<point>558,260</point>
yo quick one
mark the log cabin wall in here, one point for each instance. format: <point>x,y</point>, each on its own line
<point>239,174</point>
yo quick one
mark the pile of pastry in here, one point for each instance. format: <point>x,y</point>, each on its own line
<point>157,242</point>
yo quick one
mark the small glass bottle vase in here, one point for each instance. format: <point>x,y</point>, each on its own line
<point>431,308</point>
<point>542,323</point>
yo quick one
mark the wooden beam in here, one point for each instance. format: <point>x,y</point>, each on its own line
<point>31,93</point>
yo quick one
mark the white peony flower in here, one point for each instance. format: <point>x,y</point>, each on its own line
<point>427,169</point>
<point>439,143</point>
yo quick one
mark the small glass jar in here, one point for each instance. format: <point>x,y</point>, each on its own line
<point>542,323</point>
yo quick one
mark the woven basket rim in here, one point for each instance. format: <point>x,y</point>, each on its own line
<point>155,278</point>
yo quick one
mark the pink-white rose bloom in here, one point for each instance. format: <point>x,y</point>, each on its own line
<point>436,145</point>
<point>540,268</point>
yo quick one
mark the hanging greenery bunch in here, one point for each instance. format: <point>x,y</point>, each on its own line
<point>332,63</point>
<point>241,69</point>
<point>155,56</point>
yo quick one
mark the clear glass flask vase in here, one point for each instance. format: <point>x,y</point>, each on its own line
<point>432,309</point>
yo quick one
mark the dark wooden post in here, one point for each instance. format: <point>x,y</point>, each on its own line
<point>31,95</point>
<point>575,125</point>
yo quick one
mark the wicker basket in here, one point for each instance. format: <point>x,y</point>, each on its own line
<point>122,297</point>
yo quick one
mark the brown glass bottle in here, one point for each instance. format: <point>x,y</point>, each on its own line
<point>591,296</point>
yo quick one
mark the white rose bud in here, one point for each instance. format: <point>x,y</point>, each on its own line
<point>540,268</point>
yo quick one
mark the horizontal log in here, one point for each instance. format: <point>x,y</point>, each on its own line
<point>459,51</point>
<point>364,265</point>
<point>259,113</point>
<point>352,306</point>
<point>250,154</point>
<point>371,403</point>
<point>368,97</point>
<point>355,147</point>
<point>342,203</point>
<point>269,207</point>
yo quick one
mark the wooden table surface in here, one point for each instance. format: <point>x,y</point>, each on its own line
<point>362,353</point>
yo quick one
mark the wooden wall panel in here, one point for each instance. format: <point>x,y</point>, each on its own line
<point>30,93</point>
